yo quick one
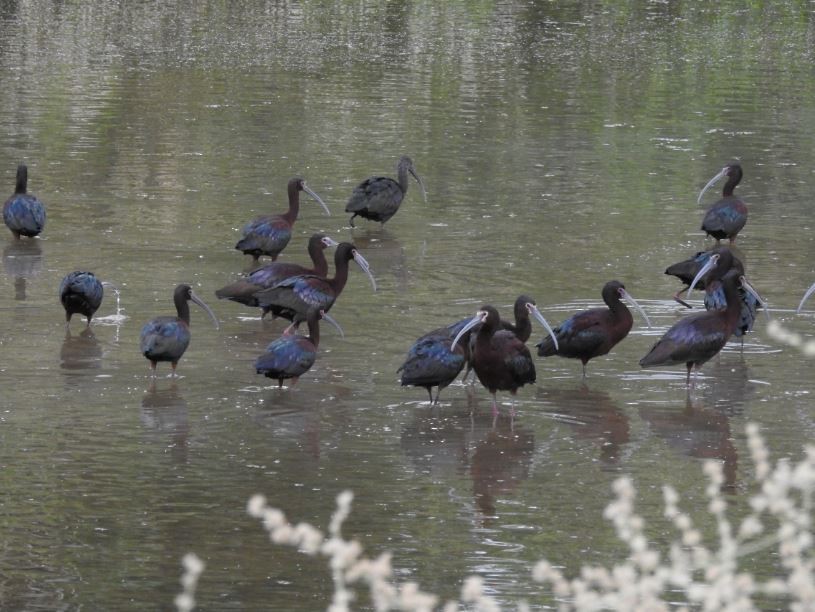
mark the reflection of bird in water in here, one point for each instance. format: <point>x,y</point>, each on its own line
<point>500,463</point>
<point>593,416</point>
<point>22,260</point>
<point>698,432</point>
<point>165,411</point>
<point>81,352</point>
<point>729,388</point>
<point>497,458</point>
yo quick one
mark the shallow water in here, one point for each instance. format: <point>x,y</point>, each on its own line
<point>561,146</point>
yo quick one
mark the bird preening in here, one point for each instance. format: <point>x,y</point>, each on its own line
<point>727,216</point>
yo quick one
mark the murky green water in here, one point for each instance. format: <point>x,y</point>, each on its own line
<point>562,145</point>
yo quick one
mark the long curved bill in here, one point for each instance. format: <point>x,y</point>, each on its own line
<point>421,183</point>
<point>309,191</point>
<point>752,291</point>
<point>206,308</point>
<point>329,242</point>
<point>333,322</point>
<point>366,267</point>
<point>809,292</point>
<point>709,265</point>
<point>533,310</point>
<point>479,317</point>
<point>710,183</point>
<point>630,299</point>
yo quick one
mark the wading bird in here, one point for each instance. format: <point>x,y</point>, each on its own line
<point>594,332</point>
<point>269,234</point>
<point>500,359</point>
<point>243,291</point>
<point>23,213</point>
<point>698,337</point>
<point>432,362</point>
<point>166,338</point>
<point>291,355</point>
<point>378,198</point>
<point>297,294</point>
<point>80,293</point>
<point>727,216</point>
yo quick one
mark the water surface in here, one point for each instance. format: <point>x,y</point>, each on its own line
<point>561,146</point>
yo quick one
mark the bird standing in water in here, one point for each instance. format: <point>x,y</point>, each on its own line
<point>23,213</point>
<point>264,277</point>
<point>269,234</point>
<point>501,360</point>
<point>166,338</point>
<point>296,295</point>
<point>594,332</point>
<point>432,362</point>
<point>522,327</point>
<point>291,355</point>
<point>378,197</point>
<point>727,216</point>
<point>80,293</point>
<point>698,337</point>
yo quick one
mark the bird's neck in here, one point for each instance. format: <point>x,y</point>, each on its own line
<point>314,332</point>
<point>320,263</point>
<point>340,276</point>
<point>21,185</point>
<point>294,204</point>
<point>402,176</point>
<point>182,307</point>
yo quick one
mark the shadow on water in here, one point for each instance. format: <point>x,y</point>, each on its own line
<point>592,416</point>
<point>81,351</point>
<point>22,260</point>
<point>165,411</point>
<point>495,453</point>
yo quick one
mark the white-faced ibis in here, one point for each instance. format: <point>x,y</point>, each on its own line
<point>432,362</point>
<point>378,198</point>
<point>500,359</point>
<point>698,337</point>
<point>23,213</point>
<point>594,332</point>
<point>269,234</point>
<point>727,216</point>
<point>166,338</point>
<point>522,327</point>
<point>687,270</point>
<point>264,277</point>
<point>720,261</point>
<point>291,355</point>
<point>80,293</point>
<point>298,294</point>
